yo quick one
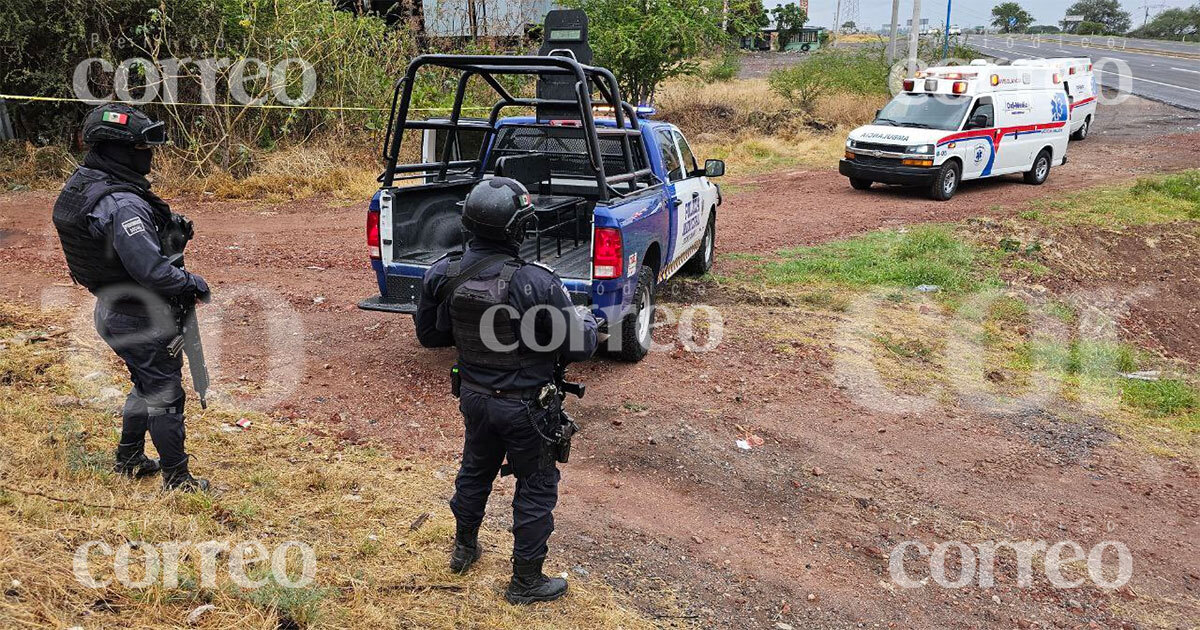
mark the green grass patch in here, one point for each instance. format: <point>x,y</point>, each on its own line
<point>1160,199</point>
<point>1161,398</point>
<point>924,255</point>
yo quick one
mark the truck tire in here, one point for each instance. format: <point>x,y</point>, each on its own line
<point>945,184</point>
<point>633,330</point>
<point>1041,169</point>
<point>1082,132</point>
<point>860,184</point>
<point>702,260</point>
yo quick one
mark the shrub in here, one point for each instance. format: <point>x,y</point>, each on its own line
<point>863,72</point>
<point>725,68</point>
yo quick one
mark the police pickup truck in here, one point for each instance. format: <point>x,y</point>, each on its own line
<point>621,202</point>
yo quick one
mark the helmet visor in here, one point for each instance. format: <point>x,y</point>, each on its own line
<point>155,134</point>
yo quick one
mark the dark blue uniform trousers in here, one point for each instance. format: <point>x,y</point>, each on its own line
<point>156,401</point>
<point>496,427</point>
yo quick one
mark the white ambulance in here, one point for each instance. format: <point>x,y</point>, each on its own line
<point>954,123</point>
<point>1080,84</point>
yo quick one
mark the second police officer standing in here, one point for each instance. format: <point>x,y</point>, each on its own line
<point>502,313</point>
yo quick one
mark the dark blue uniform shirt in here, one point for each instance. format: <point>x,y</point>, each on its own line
<point>532,285</point>
<point>126,219</point>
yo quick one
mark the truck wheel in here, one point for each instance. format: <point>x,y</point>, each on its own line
<point>1082,132</point>
<point>633,330</point>
<point>945,184</point>
<point>860,184</point>
<point>1040,171</point>
<point>702,260</point>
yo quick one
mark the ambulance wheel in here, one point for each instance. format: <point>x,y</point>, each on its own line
<point>1041,169</point>
<point>702,260</point>
<point>633,331</point>
<point>945,184</point>
<point>1082,132</point>
<point>860,184</point>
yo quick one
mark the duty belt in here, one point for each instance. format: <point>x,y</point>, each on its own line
<point>529,393</point>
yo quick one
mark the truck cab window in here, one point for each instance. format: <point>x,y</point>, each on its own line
<point>689,160</point>
<point>670,157</point>
<point>983,107</point>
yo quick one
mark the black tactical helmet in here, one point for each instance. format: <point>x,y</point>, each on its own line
<point>497,209</point>
<point>117,122</point>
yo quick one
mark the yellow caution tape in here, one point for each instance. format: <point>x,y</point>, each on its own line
<point>55,99</point>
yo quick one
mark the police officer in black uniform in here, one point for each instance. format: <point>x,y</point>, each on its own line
<point>112,229</point>
<point>478,301</point>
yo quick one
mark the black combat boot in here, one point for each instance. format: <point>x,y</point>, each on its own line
<point>530,585</point>
<point>178,478</point>
<point>132,461</point>
<point>466,549</point>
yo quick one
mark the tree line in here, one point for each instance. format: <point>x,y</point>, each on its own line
<point>1101,17</point>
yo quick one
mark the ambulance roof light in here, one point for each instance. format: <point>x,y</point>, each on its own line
<point>979,62</point>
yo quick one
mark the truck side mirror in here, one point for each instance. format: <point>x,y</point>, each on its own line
<point>714,168</point>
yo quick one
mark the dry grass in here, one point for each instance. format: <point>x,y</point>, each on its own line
<point>340,171</point>
<point>754,154</point>
<point>276,482</point>
<point>757,130</point>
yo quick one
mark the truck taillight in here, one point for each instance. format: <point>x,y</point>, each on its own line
<point>607,254</point>
<point>373,234</point>
<point>960,87</point>
<point>909,85</point>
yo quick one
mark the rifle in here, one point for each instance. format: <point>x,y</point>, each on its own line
<point>566,428</point>
<point>175,238</point>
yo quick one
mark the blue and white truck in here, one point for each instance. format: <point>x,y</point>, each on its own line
<point>622,203</point>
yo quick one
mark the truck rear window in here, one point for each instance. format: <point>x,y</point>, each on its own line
<point>565,148</point>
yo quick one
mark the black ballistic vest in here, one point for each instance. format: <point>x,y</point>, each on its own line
<point>486,295</point>
<point>92,260</point>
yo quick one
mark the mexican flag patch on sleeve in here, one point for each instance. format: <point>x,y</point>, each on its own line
<point>114,117</point>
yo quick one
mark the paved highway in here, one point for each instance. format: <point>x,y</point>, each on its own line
<point>1159,75</point>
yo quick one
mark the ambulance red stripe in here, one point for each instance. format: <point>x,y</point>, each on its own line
<point>997,133</point>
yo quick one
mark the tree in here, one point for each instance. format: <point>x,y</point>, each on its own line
<point>1009,17</point>
<point>1043,29</point>
<point>1172,24</point>
<point>849,26</point>
<point>746,17</point>
<point>1106,12</point>
<point>647,41</point>
<point>789,19</point>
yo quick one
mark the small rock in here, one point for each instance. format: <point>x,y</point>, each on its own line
<point>996,598</point>
<point>812,597</point>
<point>783,626</point>
<point>581,571</point>
<point>65,401</point>
<point>194,617</point>
<point>320,299</point>
<point>697,540</point>
<point>817,471</point>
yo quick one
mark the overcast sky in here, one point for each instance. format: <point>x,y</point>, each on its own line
<point>965,13</point>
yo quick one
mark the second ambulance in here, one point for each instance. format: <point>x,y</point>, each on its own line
<point>956,123</point>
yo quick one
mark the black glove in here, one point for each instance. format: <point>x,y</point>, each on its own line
<point>202,292</point>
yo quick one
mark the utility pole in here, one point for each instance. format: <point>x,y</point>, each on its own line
<point>946,46</point>
<point>837,20</point>
<point>725,17</point>
<point>895,25</point>
<point>914,37</point>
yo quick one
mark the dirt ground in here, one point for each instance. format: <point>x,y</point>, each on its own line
<point>793,533</point>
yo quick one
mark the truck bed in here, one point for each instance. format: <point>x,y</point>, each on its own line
<point>574,262</point>
<point>565,244</point>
